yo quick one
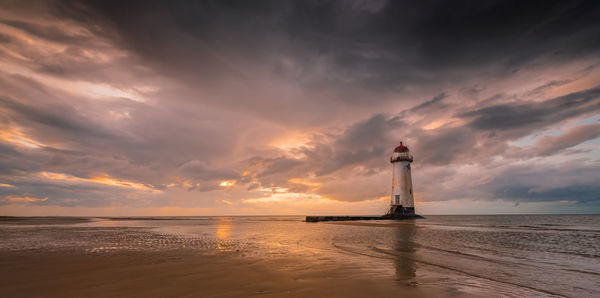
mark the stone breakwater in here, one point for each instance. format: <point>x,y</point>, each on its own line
<point>348,218</point>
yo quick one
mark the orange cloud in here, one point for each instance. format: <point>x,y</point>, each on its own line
<point>104,180</point>
<point>304,182</point>
<point>25,199</point>
<point>16,137</point>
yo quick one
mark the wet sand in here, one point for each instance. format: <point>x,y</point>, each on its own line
<point>451,256</point>
<point>42,220</point>
<point>182,273</point>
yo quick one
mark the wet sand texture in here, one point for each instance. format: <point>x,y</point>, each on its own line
<point>181,274</point>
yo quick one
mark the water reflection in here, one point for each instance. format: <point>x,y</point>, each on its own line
<point>223,232</point>
<point>405,247</point>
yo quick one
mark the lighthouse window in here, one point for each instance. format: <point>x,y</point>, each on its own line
<point>410,190</point>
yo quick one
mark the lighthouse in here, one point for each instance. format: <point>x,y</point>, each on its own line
<point>402,202</point>
<point>402,205</point>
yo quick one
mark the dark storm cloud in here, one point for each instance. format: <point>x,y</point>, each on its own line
<point>199,170</point>
<point>62,118</point>
<point>362,144</point>
<point>390,46</point>
<point>546,183</point>
<point>444,146</point>
<point>13,161</point>
<point>59,194</point>
<point>524,115</point>
<point>490,128</point>
<point>436,101</point>
<point>576,192</point>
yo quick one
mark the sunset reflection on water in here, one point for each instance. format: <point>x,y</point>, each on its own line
<point>223,233</point>
<point>405,248</point>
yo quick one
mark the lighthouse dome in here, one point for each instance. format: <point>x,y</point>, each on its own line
<point>401,148</point>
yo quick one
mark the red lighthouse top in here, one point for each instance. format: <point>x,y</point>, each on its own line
<point>401,154</point>
<point>401,148</point>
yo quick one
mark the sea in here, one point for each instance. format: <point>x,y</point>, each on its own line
<point>509,255</point>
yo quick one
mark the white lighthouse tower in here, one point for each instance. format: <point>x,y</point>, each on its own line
<point>402,203</point>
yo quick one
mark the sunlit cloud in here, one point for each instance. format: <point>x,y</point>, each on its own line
<point>292,203</point>
<point>226,202</point>
<point>292,141</point>
<point>25,199</point>
<point>273,189</point>
<point>227,183</point>
<point>448,123</point>
<point>304,182</point>
<point>17,137</point>
<point>294,198</point>
<point>300,199</point>
<point>103,180</point>
<point>82,88</point>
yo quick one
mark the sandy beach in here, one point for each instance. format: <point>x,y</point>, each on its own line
<point>183,274</point>
<point>443,256</point>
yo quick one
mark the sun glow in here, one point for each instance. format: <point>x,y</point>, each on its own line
<point>291,141</point>
<point>315,203</point>
<point>295,198</point>
<point>227,183</point>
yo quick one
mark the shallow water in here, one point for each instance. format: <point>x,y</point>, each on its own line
<point>510,255</point>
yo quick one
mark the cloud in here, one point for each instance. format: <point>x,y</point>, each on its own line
<point>549,145</point>
<point>527,115</point>
<point>148,104</point>
<point>333,44</point>
<point>199,170</point>
<point>24,199</point>
<point>435,101</point>
<point>49,32</point>
<point>546,183</point>
<point>57,117</point>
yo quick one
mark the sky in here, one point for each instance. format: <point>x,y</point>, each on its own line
<point>119,108</point>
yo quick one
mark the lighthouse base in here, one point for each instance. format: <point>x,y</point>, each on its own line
<point>398,211</point>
